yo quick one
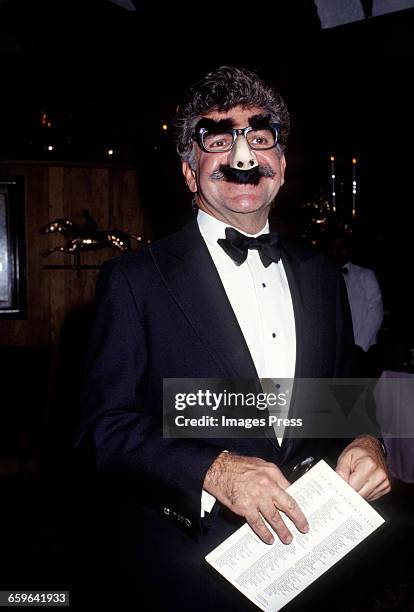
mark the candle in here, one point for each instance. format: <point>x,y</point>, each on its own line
<point>354,187</point>
<point>333,183</point>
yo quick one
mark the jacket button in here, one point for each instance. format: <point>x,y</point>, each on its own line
<point>187,522</point>
<point>167,511</point>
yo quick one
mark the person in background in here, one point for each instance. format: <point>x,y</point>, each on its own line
<point>365,300</point>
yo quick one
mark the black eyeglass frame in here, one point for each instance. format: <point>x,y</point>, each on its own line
<point>198,136</point>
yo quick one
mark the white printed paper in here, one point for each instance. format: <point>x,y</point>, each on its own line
<point>272,575</point>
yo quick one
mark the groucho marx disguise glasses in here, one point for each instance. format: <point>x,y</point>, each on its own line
<point>257,139</point>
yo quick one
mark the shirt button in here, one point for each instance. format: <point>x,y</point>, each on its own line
<point>273,335</point>
<point>263,284</point>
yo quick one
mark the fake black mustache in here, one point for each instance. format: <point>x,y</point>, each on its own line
<point>241,177</point>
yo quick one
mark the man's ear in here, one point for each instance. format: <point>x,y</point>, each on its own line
<point>282,169</point>
<point>190,176</point>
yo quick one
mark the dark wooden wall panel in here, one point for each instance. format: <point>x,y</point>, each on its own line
<point>111,194</point>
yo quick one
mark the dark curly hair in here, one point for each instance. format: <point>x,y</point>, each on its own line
<point>222,90</point>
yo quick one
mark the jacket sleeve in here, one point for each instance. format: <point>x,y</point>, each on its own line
<point>344,332</point>
<point>124,437</point>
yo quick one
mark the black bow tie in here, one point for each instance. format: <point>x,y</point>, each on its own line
<point>236,245</point>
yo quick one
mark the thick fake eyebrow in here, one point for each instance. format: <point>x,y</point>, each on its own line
<point>224,125</point>
<point>259,122</point>
<point>215,127</point>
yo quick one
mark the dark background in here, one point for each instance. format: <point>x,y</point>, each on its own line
<point>109,78</point>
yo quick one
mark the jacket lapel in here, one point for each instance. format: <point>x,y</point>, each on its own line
<point>187,269</point>
<point>294,263</point>
<point>291,264</point>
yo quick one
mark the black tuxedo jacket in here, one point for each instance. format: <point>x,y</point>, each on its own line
<point>163,312</point>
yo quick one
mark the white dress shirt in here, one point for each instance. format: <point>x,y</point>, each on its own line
<point>261,300</point>
<point>365,300</point>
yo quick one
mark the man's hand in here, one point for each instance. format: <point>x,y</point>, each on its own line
<point>362,465</point>
<point>254,488</point>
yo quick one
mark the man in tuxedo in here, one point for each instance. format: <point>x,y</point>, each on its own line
<point>221,298</point>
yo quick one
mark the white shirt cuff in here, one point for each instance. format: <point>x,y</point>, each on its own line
<point>207,502</point>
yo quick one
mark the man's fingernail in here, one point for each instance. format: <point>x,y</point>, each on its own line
<point>306,529</point>
<point>288,539</point>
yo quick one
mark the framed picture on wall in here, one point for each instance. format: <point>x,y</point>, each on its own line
<point>12,249</point>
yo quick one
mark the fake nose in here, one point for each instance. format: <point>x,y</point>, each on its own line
<point>241,155</point>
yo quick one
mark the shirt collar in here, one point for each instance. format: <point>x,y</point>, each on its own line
<point>212,229</point>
